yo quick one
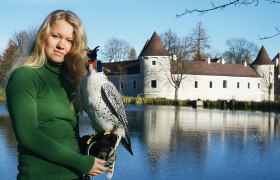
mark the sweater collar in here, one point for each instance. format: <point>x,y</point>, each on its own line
<point>53,66</point>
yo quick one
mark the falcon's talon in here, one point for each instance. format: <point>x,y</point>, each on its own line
<point>89,140</point>
<point>107,132</point>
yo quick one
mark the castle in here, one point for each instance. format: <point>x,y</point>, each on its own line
<point>155,74</point>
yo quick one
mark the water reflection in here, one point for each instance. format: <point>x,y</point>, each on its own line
<point>184,143</point>
<point>8,152</point>
<point>195,138</point>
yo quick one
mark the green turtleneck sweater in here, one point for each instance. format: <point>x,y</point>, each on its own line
<point>45,125</point>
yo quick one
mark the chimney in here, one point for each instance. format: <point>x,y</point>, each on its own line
<point>245,63</point>
<point>223,61</point>
<point>208,60</point>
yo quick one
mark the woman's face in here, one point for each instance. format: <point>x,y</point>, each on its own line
<point>60,41</point>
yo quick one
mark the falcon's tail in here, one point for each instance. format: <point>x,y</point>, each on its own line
<point>127,144</point>
<point>110,172</point>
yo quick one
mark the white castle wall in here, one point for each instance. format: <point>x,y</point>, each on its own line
<point>158,68</point>
<point>249,88</point>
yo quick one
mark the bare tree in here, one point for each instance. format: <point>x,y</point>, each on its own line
<point>116,50</point>
<point>199,42</point>
<point>219,7</point>
<point>277,83</point>
<point>233,3</point>
<point>17,48</point>
<point>132,54</point>
<point>180,51</point>
<point>6,62</point>
<point>175,45</point>
<point>170,41</point>
<point>268,83</point>
<point>179,71</point>
<point>122,76</point>
<point>239,50</point>
<point>277,32</point>
<point>24,41</point>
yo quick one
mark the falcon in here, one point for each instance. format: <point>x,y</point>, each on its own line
<point>101,101</point>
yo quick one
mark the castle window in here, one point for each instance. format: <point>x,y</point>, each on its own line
<point>210,84</point>
<point>224,83</point>
<point>154,63</point>
<point>248,85</point>
<point>195,84</point>
<point>238,85</point>
<point>259,85</point>
<point>121,84</point>
<point>134,84</point>
<point>153,83</point>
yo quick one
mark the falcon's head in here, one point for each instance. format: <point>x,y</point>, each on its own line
<point>96,64</point>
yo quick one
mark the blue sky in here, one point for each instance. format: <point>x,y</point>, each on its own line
<point>135,21</point>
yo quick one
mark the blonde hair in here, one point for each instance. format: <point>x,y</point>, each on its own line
<point>73,69</point>
<point>75,58</point>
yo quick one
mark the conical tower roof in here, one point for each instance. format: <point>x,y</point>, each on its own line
<point>262,58</point>
<point>154,47</point>
<point>276,57</point>
<point>276,62</point>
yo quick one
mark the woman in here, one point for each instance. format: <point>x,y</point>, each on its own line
<point>41,102</point>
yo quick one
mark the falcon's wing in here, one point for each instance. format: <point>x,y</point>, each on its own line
<point>113,97</point>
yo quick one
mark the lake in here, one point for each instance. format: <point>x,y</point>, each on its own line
<point>182,143</point>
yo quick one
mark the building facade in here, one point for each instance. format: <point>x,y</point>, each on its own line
<point>154,74</point>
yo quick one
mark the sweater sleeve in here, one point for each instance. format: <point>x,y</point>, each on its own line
<point>21,93</point>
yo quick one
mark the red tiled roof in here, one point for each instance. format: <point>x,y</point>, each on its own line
<point>154,47</point>
<point>262,58</point>
<point>219,69</point>
<point>191,67</point>
<point>277,56</point>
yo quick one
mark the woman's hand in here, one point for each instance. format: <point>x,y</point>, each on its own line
<point>97,168</point>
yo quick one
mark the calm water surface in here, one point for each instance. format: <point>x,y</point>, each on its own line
<point>182,143</point>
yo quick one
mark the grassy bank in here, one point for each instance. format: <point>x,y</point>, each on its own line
<point>268,106</point>
<point>156,101</point>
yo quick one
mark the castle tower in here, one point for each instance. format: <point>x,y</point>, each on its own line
<point>154,64</point>
<point>265,68</point>
<point>275,60</point>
